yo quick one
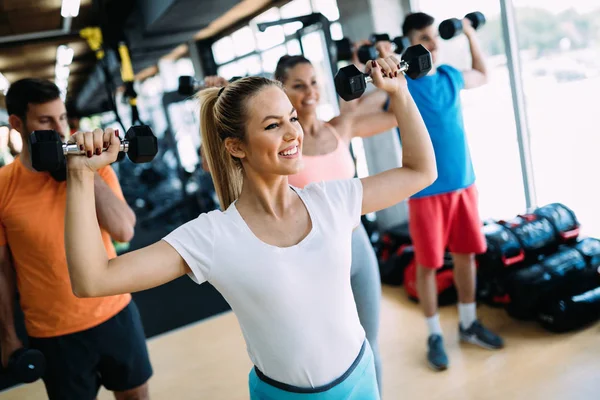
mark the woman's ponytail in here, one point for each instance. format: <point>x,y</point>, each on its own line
<point>224,114</point>
<point>226,174</point>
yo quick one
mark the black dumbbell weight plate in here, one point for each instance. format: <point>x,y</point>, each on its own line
<point>343,49</point>
<point>450,28</point>
<point>379,37</point>
<point>366,53</point>
<point>186,85</point>
<point>402,43</point>
<point>46,151</point>
<point>477,19</point>
<point>350,83</point>
<point>143,145</point>
<point>419,61</point>
<point>28,365</point>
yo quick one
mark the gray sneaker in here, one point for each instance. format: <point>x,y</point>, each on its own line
<point>481,336</point>
<point>436,355</point>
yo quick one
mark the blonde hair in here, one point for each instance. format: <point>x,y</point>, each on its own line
<point>223,114</point>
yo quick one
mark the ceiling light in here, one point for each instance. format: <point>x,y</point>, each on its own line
<point>70,8</point>
<point>4,84</point>
<point>62,73</point>
<point>64,55</point>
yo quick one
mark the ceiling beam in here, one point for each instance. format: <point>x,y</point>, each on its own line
<point>84,59</point>
<point>35,37</point>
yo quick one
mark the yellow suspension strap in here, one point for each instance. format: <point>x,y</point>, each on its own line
<point>93,35</point>
<point>94,38</point>
<point>127,76</point>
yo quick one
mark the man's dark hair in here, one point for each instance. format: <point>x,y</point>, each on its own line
<point>29,91</point>
<point>286,63</point>
<point>416,21</point>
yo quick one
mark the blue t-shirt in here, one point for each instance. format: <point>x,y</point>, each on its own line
<point>437,97</point>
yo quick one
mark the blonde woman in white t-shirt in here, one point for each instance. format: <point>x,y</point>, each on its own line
<point>280,256</point>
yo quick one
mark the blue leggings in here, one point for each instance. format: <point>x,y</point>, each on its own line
<point>366,286</point>
<point>359,383</point>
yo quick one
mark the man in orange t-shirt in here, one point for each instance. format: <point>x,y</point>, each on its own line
<point>87,343</point>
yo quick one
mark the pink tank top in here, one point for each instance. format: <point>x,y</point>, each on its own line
<point>325,167</point>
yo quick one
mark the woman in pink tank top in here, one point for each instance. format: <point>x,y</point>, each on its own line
<point>326,146</point>
<point>326,155</point>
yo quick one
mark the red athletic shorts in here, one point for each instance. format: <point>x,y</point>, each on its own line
<point>448,221</point>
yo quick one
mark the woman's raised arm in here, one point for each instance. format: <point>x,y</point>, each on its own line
<point>91,272</point>
<point>418,169</point>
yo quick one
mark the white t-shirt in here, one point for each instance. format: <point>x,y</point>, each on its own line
<point>294,304</point>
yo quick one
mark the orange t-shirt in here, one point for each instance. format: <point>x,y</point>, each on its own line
<point>32,220</point>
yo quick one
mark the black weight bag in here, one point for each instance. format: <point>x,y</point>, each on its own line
<point>504,253</point>
<point>392,269</point>
<point>530,288</point>
<point>536,235</point>
<point>590,249</point>
<point>571,312</point>
<point>394,253</point>
<point>563,220</point>
<point>576,304</point>
<point>503,248</point>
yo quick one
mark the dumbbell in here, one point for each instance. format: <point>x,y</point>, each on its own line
<point>400,43</point>
<point>188,85</point>
<point>343,49</point>
<point>48,153</point>
<point>367,52</point>
<point>453,26</point>
<point>27,365</point>
<point>350,83</point>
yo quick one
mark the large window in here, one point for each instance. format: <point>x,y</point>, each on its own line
<point>559,53</point>
<point>487,111</point>
<point>266,47</point>
<point>262,50</point>
<point>560,57</point>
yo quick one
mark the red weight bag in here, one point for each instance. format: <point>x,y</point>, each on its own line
<point>444,278</point>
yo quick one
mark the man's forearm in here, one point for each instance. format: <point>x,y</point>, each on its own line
<point>477,59</point>
<point>8,333</point>
<point>114,215</point>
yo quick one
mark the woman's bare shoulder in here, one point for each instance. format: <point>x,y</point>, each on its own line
<point>342,125</point>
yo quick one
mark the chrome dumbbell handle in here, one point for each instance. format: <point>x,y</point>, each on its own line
<point>403,68</point>
<point>73,149</point>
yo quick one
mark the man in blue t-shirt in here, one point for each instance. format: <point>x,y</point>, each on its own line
<point>445,215</point>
